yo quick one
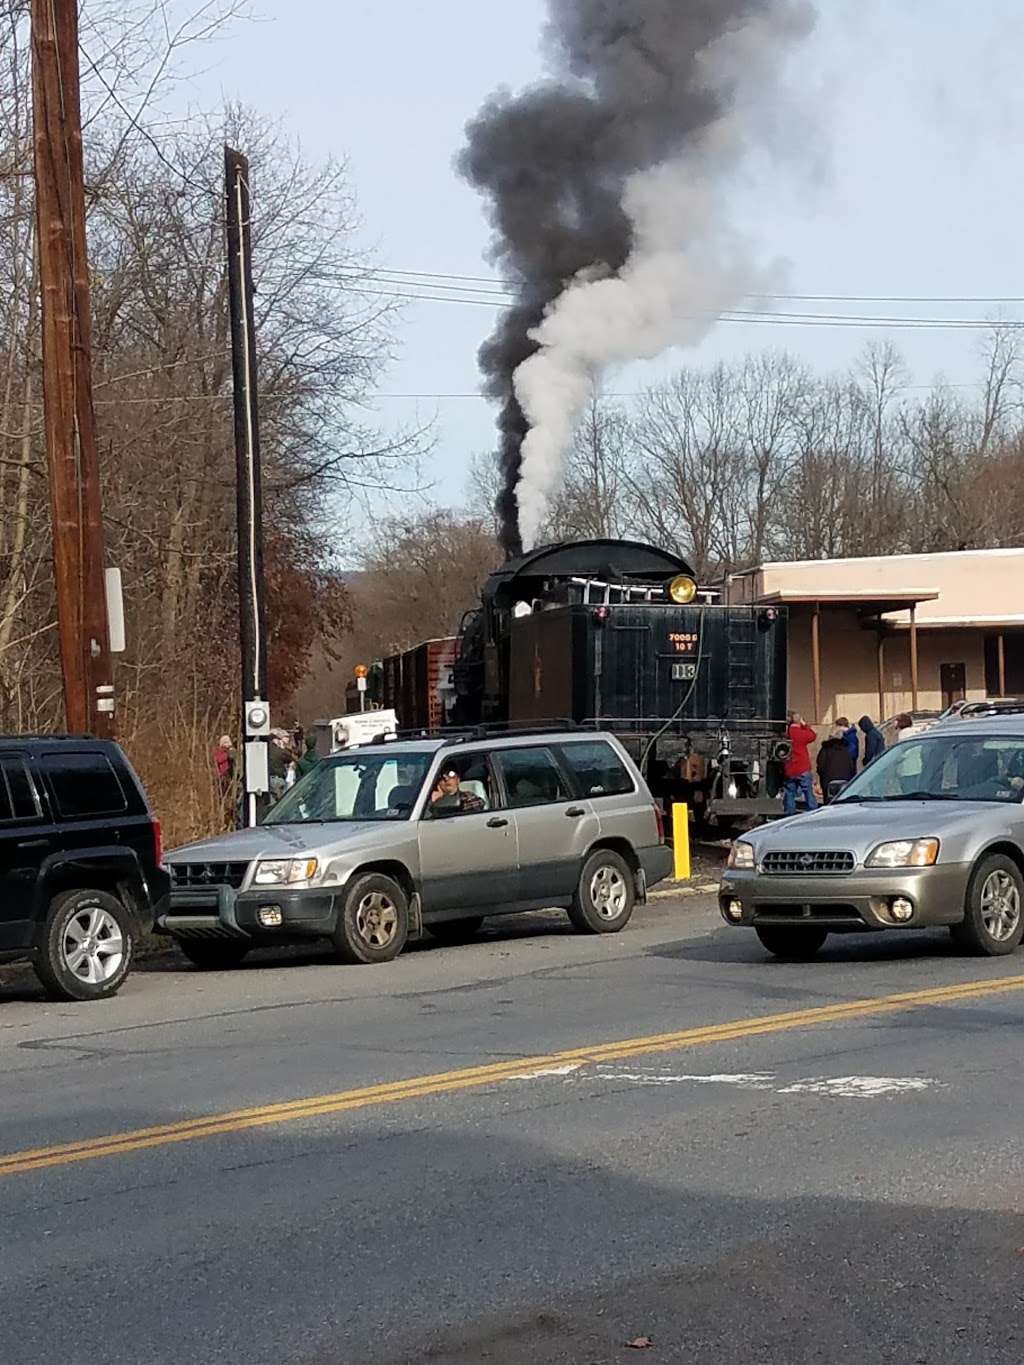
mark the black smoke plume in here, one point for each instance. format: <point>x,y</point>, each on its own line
<point>629,90</point>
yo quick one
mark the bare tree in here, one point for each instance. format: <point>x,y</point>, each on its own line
<point>773,391</point>
<point>684,473</point>
<point>163,392</point>
<point>592,503</point>
<point>420,575</point>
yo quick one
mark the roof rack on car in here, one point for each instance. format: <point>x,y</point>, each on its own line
<point>513,730</point>
<point>468,734</point>
<point>34,736</point>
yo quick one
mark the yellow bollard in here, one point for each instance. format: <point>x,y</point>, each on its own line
<point>681,841</point>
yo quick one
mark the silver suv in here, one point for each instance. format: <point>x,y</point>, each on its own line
<point>380,842</point>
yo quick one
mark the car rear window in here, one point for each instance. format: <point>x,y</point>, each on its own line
<point>532,778</point>
<point>17,796</point>
<point>84,784</point>
<point>598,769</point>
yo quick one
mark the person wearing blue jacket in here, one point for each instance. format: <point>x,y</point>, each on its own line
<point>874,740</point>
<point>851,738</point>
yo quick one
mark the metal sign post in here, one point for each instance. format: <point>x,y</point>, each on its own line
<point>362,673</point>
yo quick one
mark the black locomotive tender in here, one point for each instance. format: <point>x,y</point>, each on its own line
<point>617,635</point>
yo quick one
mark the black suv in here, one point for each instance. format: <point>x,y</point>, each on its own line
<point>80,863</point>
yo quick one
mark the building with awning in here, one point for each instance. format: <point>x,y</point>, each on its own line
<point>880,635</point>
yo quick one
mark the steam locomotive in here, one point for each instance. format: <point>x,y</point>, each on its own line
<point>616,635</point>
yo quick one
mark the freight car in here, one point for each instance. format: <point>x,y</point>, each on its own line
<point>618,635</point>
<point>418,684</point>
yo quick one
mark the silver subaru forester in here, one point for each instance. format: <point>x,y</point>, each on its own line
<point>932,833</point>
<point>379,842</point>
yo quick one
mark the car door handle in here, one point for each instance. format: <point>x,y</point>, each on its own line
<point>574,812</point>
<point>497,823</point>
<point>35,843</point>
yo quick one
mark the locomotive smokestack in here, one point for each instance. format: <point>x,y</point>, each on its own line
<point>604,187</point>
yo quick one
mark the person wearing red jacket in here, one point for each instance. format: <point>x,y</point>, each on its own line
<point>798,770</point>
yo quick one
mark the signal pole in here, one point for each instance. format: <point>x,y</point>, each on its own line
<point>70,422</point>
<point>241,293</point>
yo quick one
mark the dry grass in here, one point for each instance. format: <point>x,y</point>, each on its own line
<point>174,757</point>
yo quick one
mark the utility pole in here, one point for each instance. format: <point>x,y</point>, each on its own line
<point>75,497</point>
<point>241,293</point>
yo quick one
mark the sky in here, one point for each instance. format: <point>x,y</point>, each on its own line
<point>898,175</point>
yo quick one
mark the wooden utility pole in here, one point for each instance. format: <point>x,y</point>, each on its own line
<point>75,499</point>
<point>241,295</point>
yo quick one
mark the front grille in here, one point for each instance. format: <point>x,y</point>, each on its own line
<point>775,911</point>
<point>796,863</point>
<point>208,874</point>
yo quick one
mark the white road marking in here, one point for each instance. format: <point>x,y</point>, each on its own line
<point>545,1071</point>
<point>860,1087</point>
<point>755,1080</point>
<point>830,1087</point>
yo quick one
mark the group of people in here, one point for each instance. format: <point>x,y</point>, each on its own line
<point>291,755</point>
<point>838,758</point>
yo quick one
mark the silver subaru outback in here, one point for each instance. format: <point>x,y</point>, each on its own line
<point>381,842</point>
<point>932,833</point>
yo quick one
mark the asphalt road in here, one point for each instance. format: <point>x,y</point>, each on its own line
<point>783,1165</point>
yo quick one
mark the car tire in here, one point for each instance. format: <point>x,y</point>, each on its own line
<point>85,946</point>
<point>456,930</point>
<point>373,925</point>
<point>605,896</point>
<point>214,955</point>
<point>993,922</point>
<point>791,945</point>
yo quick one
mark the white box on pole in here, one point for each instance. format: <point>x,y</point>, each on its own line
<point>115,610</point>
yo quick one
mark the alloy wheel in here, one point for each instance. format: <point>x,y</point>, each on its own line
<point>1000,905</point>
<point>609,892</point>
<point>377,920</point>
<point>93,945</point>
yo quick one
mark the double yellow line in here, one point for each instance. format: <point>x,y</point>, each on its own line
<point>494,1073</point>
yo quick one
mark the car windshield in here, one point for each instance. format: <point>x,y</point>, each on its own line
<point>363,786</point>
<point>944,767</point>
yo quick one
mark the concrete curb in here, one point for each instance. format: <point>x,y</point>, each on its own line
<point>676,890</point>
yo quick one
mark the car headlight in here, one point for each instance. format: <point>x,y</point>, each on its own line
<point>286,872</point>
<point>904,853</point>
<point>741,855</point>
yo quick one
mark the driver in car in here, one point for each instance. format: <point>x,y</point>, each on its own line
<point>448,795</point>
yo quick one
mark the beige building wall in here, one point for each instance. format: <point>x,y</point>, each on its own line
<point>972,594</point>
<point>976,587</point>
<point>849,666</point>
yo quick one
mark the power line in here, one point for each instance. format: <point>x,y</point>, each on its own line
<point>369,399</point>
<point>633,393</point>
<point>736,315</point>
<point>512,287</point>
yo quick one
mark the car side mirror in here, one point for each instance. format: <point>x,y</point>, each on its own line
<point>836,789</point>
<point>445,809</point>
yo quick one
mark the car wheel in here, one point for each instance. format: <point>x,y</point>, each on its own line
<point>85,946</point>
<point>214,955</point>
<point>374,922</point>
<point>993,922</point>
<point>791,945</point>
<point>605,896</point>
<point>456,930</point>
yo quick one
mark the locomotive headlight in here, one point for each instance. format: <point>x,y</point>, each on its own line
<point>682,590</point>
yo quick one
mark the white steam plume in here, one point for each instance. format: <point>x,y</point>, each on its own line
<point>686,266</point>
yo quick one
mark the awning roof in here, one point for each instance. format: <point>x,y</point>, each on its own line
<point>876,604</point>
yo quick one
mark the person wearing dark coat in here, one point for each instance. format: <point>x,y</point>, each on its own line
<point>874,740</point>
<point>835,762</point>
<point>851,737</point>
<point>310,757</point>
